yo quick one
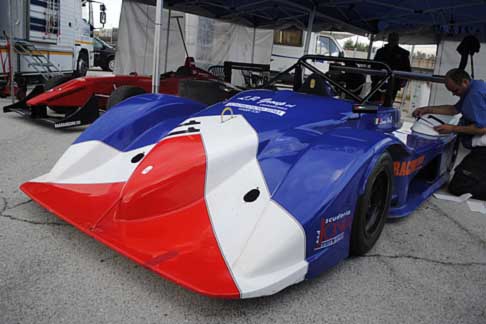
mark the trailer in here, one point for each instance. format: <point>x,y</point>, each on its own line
<point>42,39</point>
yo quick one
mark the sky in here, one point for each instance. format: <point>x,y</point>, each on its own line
<point>113,8</point>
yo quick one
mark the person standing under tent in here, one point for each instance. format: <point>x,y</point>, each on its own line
<point>396,58</point>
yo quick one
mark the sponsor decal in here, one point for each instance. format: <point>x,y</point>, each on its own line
<point>67,124</point>
<point>257,104</point>
<point>405,168</point>
<point>384,120</point>
<point>332,230</point>
<point>256,109</point>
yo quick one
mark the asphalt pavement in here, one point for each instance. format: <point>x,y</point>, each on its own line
<point>427,268</point>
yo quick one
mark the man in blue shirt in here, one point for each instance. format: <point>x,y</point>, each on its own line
<point>470,174</point>
<point>472,105</point>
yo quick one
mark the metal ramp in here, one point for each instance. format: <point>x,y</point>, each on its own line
<point>35,59</point>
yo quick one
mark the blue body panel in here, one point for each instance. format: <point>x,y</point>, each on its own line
<point>315,154</point>
<point>140,121</point>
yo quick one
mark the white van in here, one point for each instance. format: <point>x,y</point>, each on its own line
<point>288,47</point>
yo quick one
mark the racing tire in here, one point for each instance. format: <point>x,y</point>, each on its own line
<point>121,94</point>
<point>83,64</point>
<point>207,92</point>
<point>372,207</point>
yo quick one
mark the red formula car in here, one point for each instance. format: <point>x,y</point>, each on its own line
<point>79,101</point>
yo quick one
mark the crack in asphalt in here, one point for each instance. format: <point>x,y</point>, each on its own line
<point>31,221</point>
<point>413,257</point>
<point>439,210</point>
<point>19,204</point>
<point>28,221</point>
<point>4,205</point>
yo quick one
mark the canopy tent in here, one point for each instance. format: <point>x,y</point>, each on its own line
<point>209,41</point>
<point>432,18</point>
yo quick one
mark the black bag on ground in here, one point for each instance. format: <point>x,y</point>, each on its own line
<point>470,175</point>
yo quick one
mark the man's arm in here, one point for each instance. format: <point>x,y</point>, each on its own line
<point>441,110</point>
<point>469,130</point>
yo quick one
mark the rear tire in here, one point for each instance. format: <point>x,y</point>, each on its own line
<point>207,92</point>
<point>372,207</point>
<point>121,94</point>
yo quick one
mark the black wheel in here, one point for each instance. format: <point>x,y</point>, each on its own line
<point>121,94</point>
<point>372,207</point>
<point>207,92</point>
<point>110,64</point>
<point>83,64</point>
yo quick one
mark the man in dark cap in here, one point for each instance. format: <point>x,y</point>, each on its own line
<point>396,58</point>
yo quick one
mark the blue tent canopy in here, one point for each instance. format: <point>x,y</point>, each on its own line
<point>442,18</point>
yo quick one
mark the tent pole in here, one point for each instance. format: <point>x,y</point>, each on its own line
<point>156,59</point>
<point>412,53</point>
<point>12,46</point>
<point>370,48</point>
<point>167,43</point>
<point>310,24</point>
<point>253,46</point>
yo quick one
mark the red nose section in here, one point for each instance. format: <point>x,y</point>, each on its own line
<point>83,205</point>
<point>159,218</point>
<point>170,179</point>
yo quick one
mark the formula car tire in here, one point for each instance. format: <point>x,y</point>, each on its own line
<point>207,92</point>
<point>372,207</point>
<point>121,94</point>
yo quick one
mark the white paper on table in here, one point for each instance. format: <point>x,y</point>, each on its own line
<point>447,196</point>
<point>477,206</point>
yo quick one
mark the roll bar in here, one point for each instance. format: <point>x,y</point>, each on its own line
<point>372,68</point>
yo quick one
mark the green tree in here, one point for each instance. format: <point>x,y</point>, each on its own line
<point>351,45</point>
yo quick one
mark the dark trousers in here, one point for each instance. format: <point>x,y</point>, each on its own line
<point>470,175</point>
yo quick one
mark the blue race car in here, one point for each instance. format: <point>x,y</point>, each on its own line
<point>253,194</point>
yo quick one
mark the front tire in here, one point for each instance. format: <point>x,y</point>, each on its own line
<point>372,207</point>
<point>121,94</point>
